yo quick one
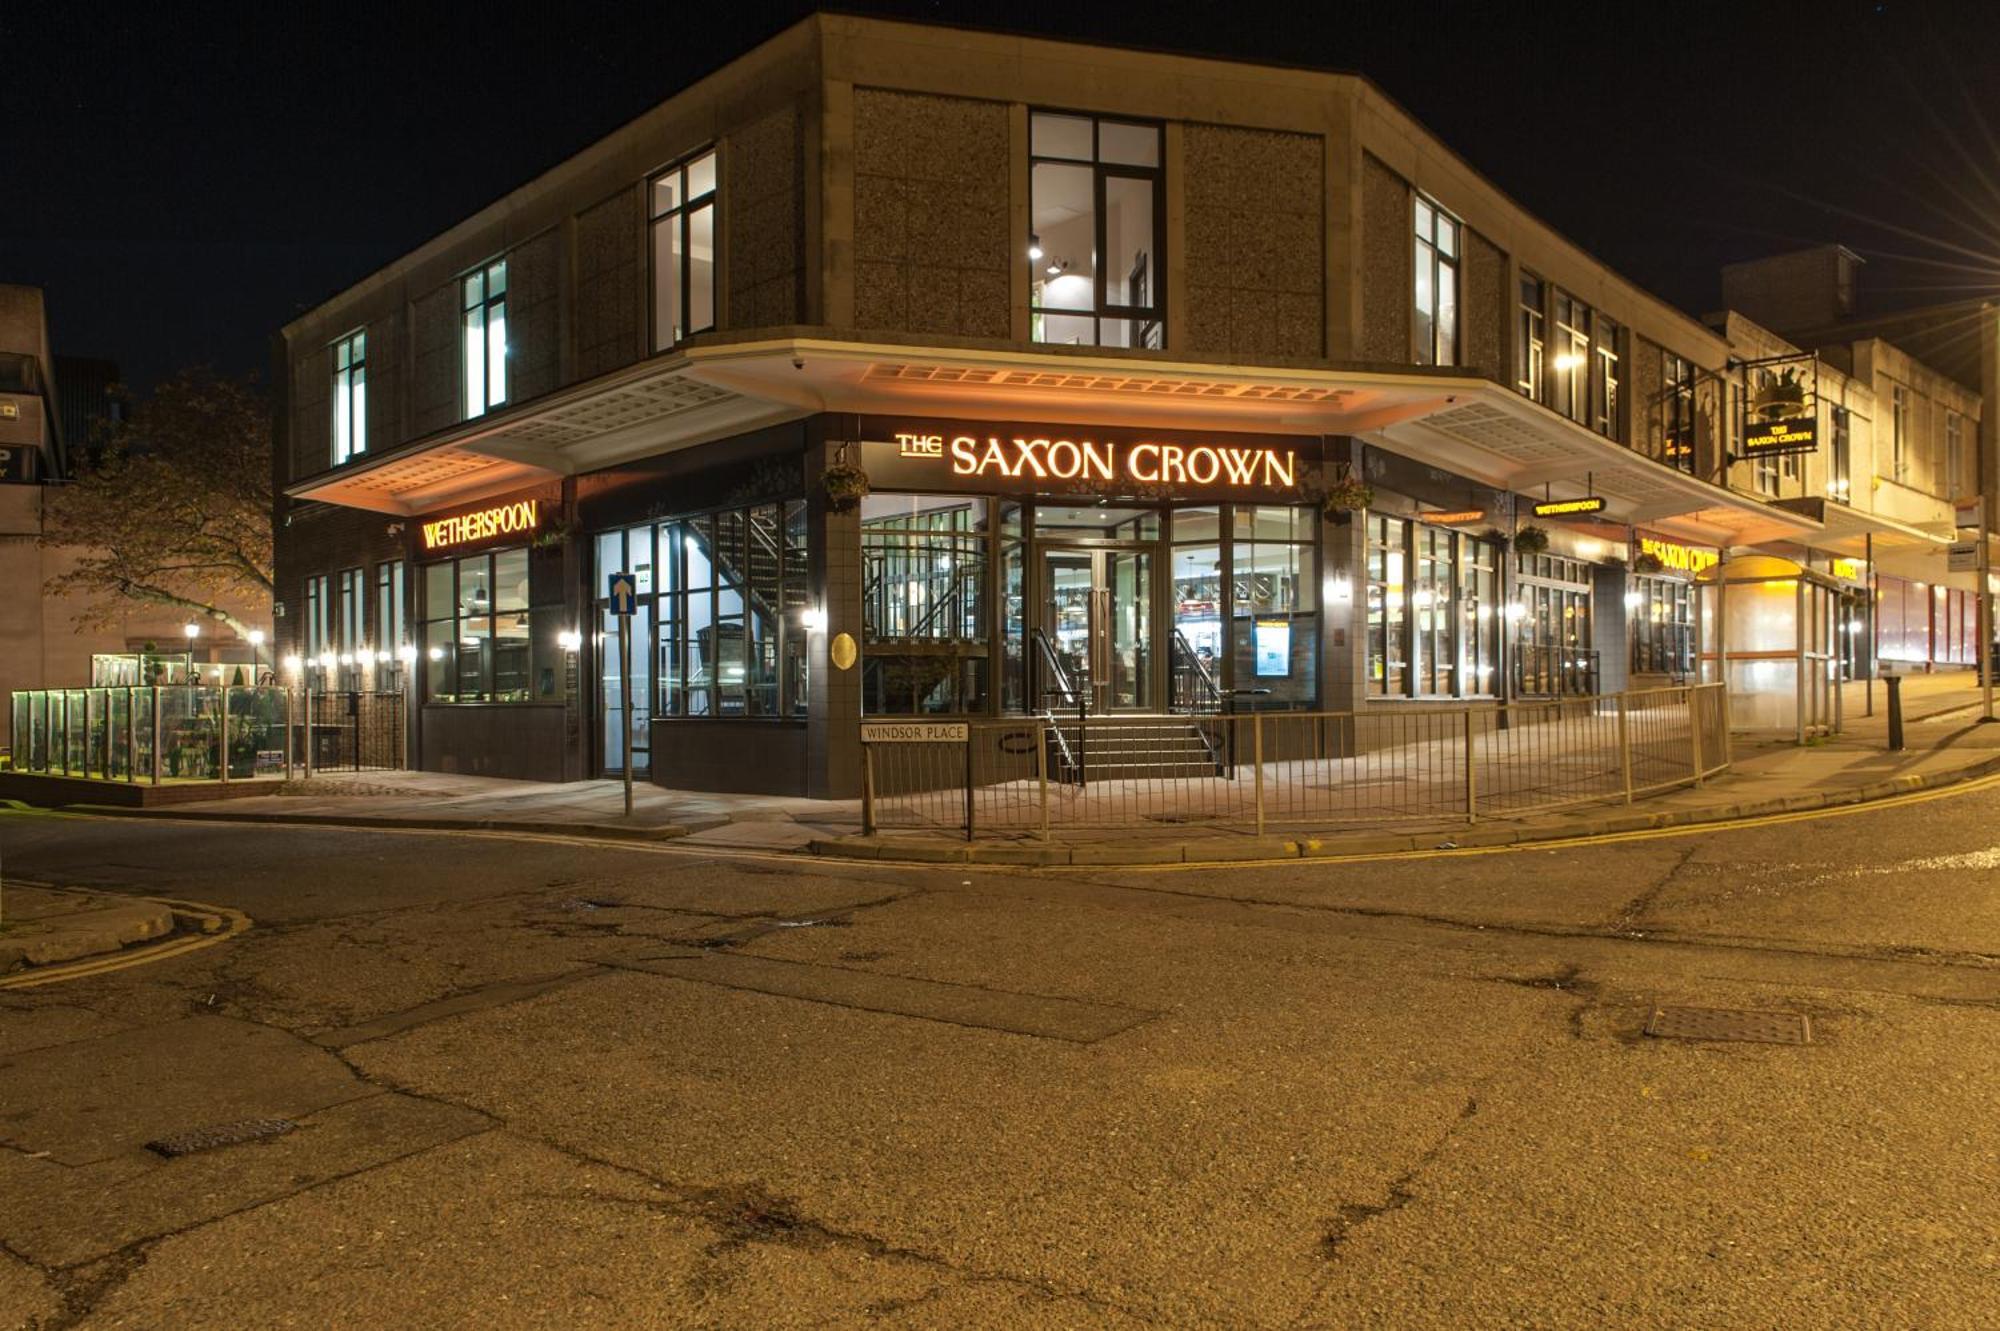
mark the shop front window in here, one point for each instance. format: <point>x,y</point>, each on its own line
<point>1663,626</point>
<point>1197,574</point>
<point>1274,611</point>
<point>1553,652</point>
<point>485,638</point>
<point>923,603</point>
<point>1433,597</point>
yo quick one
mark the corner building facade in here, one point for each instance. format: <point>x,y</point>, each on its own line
<point>1173,384</point>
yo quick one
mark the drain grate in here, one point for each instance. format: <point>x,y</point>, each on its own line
<point>220,1134</point>
<point>1701,1023</point>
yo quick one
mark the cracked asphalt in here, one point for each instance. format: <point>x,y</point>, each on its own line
<point>547,1084</point>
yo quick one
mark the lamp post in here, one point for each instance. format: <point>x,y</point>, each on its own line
<point>256,659</point>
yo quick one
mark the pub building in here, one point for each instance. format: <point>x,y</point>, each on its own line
<point>912,372</point>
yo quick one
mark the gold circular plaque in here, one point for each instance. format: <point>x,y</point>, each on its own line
<point>841,650</point>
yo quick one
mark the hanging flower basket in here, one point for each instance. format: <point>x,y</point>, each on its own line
<point>1345,497</point>
<point>1648,562</point>
<point>552,536</point>
<point>1531,540</point>
<point>846,485</point>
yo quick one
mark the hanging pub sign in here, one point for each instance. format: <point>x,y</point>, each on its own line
<point>1058,459</point>
<point>1781,413</point>
<point>1688,559</point>
<point>1569,508</point>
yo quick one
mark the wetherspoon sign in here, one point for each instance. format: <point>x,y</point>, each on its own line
<point>516,519</point>
<point>1569,508</point>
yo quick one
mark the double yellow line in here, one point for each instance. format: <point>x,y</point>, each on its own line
<point>217,923</point>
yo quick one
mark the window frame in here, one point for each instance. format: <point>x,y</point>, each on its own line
<point>486,304</point>
<point>678,217</point>
<point>1572,399</point>
<point>1675,443</point>
<point>1606,405</point>
<point>349,355</point>
<point>1899,433</point>
<point>1840,455</point>
<point>1439,264</point>
<point>1531,355</point>
<point>1140,317</point>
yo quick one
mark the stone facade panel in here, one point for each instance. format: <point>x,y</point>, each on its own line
<point>931,209</point>
<point>1253,230</point>
<point>1484,307</point>
<point>435,402</point>
<point>764,205</point>
<point>312,426</point>
<point>1385,264</point>
<point>534,328</point>
<point>609,316</point>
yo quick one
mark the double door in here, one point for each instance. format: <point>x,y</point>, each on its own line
<point>1098,615</point>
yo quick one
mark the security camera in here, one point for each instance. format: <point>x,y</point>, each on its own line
<point>798,362</point>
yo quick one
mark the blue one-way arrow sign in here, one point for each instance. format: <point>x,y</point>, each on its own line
<point>623,592</point>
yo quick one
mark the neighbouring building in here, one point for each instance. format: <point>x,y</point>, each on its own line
<point>41,645</point>
<point>1114,342</point>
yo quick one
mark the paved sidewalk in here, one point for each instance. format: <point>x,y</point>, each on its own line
<point>1945,744</point>
<point>42,926</point>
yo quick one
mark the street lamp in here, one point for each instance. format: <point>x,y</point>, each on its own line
<point>256,642</point>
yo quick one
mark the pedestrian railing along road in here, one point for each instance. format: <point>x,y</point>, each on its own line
<point>1294,769</point>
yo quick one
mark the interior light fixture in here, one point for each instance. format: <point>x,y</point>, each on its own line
<point>1057,267</point>
<point>1034,246</point>
<point>437,653</point>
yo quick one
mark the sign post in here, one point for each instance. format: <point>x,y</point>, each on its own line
<point>622,592</point>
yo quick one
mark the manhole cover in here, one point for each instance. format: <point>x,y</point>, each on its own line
<point>1701,1023</point>
<point>220,1134</point>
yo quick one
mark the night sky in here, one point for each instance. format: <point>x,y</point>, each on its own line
<point>185,179</point>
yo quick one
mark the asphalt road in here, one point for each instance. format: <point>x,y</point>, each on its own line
<point>562,1085</point>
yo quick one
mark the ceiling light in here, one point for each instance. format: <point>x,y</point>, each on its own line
<point>1057,267</point>
<point>1034,246</point>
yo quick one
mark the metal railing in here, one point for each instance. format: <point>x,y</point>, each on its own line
<point>201,732</point>
<point>1302,769</point>
<point>1192,684</point>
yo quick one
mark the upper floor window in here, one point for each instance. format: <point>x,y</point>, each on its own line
<point>1529,355</point>
<point>1436,285</point>
<point>483,300</point>
<point>1097,232</point>
<point>350,397</point>
<point>1838,486</point>
<point>1954,455</point>
<point>680,202</point>
<point>1899,432</point>
<point>1677,412</point>
<point>1604,378</point>
<point>1572,357</point>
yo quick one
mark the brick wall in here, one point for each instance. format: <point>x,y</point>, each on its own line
<point>312,425</point>
<point>1642,392</point>
<point>932,253</point>
<point>1385,264</point>
<point>763,202</point>
<point>322,539</point>
<point>1255,241</point>
<point>386,382</point>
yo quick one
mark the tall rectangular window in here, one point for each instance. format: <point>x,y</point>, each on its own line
<point>1436,323</point>
<point>482,640</point>
<point>1676,442</point>
<point>1954,456</point>
<point>1572,357</point>
<point>1528,356</point>
<point>484,305</point>
<point>350,397</point>
<point>1097,232</point>
<point>1433,596</point>
<point>1840,457</point>
<point>1899,432</point>
<point>1604,404</point>
<point>318,635</point>
<point>391,628</point>
<point>351,628</point>
<point>680,203</point>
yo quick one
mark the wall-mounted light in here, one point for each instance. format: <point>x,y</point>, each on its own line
<point>406,653</point>
<point>437,653</point>
<point>569,640</point>
<point>813,620</point>
<point>346,659</point>
<point>1633,600</point>
<point>1034,246</point>
<point>383,658</point>
<point>293,665</point>
<point>326,661</point>
<point>1515,610</point>
<point>1340,589</point>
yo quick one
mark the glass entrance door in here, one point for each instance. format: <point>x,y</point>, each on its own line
<point>1098,614</point>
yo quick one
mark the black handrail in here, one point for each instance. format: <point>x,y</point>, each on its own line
<point>1066,689</point>
<point>1192,685</point>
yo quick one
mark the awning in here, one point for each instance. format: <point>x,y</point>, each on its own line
<point>1473,427</point>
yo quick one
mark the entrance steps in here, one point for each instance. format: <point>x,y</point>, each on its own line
<point>1127,747</point>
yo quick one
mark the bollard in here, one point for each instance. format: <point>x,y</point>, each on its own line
<point>1895,683</point>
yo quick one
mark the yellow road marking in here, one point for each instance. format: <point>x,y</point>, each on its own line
<point>234,922</point>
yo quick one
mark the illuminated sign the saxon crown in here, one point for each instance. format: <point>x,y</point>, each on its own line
<point>514,519</point>
<point>1146,462</point>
